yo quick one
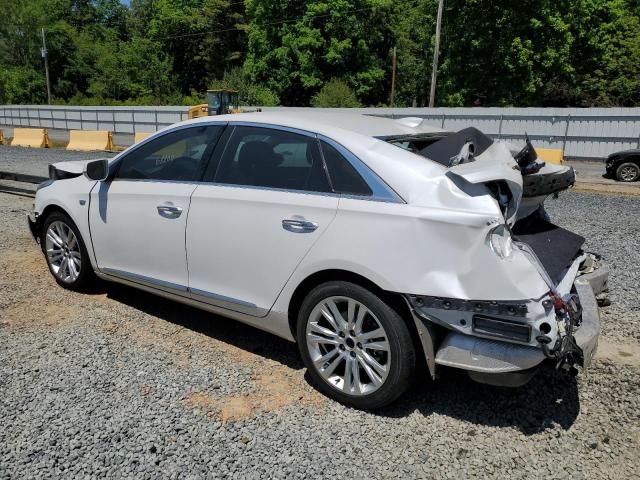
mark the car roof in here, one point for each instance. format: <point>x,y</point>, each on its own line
<point>327,122</point>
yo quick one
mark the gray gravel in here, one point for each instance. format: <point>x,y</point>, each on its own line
<point>611,226</point>
<point>35,161</point>
<point>119,383</point>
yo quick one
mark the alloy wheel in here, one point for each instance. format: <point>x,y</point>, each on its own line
<point>629,173</point>
<point>348,345</point>
<point>63,252</point>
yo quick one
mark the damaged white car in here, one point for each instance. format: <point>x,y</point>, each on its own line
<point>375,244</point>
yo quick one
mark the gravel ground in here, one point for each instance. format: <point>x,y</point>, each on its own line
<point>35,161</point>
<point>611,226</point>
<point>119,383</point>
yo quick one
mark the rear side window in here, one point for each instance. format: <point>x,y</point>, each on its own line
<point>180,155</point>
<point>267,157</point>
<point>344,177</point>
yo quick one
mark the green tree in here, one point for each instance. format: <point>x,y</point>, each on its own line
<point>295,47</point>
<point>250,94</point>
<point>335,94</point>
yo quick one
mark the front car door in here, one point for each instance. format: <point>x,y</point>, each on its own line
<point>138,217</point>
<point>268,200</point>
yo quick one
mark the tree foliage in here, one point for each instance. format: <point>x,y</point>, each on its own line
<point>323,52</point>
<point>335,93</point>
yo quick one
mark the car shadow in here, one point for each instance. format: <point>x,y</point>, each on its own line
<point>549,399</point>
<point>225,330</point>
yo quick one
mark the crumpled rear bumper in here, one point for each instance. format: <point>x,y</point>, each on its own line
<point>510,364</point>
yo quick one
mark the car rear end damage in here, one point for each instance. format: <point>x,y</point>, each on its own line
<point>498,339</point>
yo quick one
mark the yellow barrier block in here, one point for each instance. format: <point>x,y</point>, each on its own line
<point>30,137</point>
<point>1,137</point>
<point>139,136</point>
<point>551,155</point>
<point>90,140</point>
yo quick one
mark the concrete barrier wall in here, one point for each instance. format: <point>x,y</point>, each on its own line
<point>580,132</point>
<point>115,119</point>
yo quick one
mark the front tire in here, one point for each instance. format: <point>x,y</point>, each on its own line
<point>628,172</point>
<point>65,252</point>
<point>356,348</point>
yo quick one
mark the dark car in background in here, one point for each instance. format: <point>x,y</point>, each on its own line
<point>624,166</point>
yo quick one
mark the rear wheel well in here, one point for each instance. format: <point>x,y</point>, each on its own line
<point>394,300</point>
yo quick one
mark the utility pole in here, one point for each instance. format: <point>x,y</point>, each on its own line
<point>434,70</point>
<point>45,56</point>
<point>393,79</point>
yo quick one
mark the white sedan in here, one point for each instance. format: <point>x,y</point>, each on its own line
<point>375,244</point>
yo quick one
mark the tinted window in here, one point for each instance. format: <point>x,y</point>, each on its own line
<point>265,157</point>
<point>179,155</point>
<point>344,177</point>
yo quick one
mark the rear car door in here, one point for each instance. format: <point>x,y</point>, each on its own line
<point>138,217</point>
<point>266,202</point>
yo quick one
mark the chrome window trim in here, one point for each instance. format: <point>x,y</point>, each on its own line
<point>299,131</point>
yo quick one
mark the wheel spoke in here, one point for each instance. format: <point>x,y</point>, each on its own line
<point>352,306</point>
<point>320,340</point>
<point>54,255</point>
<point>329,318</point>
<point>55,239</point>
<point>362,312</point>
<point>337,316</point>
<point>73,241</point>
<point>373,363</point>
<point>63,268</point>
<point>381,345</point>
<point>352,376</point>
<point>333,364</point>
<point>322,330</point>
<point>73,271</point>
<point>377,333</point>
<point>61,233</point>
<point>373,376</point>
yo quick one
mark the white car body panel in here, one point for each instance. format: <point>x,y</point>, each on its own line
<point>228,252</point>
<point>131,238</point>
<point>239,254</point>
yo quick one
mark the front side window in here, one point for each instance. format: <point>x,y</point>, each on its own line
<point>266,157</point>
<point>179,155</point>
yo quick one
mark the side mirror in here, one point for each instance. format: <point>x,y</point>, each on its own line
<point>97,170</point>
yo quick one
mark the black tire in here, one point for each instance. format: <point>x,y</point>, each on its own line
<point>85,276</point>
<point>628,172</point>
<point>401,353</point>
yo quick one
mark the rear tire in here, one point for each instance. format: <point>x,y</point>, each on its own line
<point>357,349</point>
<point>628,172</point>
<point>65,252</point>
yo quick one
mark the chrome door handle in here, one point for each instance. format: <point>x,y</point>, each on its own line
<point>169,211</point>
<point>299,226</point>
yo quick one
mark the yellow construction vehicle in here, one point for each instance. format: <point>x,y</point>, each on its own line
<point>219,102</point>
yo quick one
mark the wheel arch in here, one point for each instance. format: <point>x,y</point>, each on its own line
<point>48,210</point>
<point>393,299</point>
